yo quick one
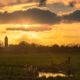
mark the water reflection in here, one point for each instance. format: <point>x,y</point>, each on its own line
<point>51,74</point>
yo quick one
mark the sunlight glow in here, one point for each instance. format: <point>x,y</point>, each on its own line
<point>34,35</point>
<point>26,25</point>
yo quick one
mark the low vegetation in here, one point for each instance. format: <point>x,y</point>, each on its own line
<point>28,65</point>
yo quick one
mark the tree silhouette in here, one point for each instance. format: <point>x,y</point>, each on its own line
<point>24,47</point>
<point>1,47</point>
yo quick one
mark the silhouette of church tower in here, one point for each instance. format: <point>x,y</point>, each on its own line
<point>6,42</point>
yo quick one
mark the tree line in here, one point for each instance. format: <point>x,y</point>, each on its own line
<point>24,47</point>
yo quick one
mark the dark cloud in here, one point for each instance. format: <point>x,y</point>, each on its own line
<point>18,1</point>
<point>10,4</point>
<point>42,2</point>
<point>30,29</point>
<point>29,1</point>
<point>20,28</point>
<point>72,4</point>
<point>38,16</point>
<point>1,5</point>
<point>30,16</point>
<point>72,17</point>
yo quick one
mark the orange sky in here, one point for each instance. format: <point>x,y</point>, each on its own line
<point>59,34</point>
<point>29,29</point>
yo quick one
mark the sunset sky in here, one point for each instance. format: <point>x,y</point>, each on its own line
<point>44,22</point>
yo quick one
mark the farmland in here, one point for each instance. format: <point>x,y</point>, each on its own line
<point>14,64</point>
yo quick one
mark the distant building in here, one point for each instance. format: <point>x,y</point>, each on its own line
<point>6,42</point>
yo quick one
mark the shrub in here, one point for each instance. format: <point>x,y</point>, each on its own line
<point>69,69</point>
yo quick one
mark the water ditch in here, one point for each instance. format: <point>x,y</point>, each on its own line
<point>41,74</point>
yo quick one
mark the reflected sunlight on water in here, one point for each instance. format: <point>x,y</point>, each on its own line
<point>51,74</point>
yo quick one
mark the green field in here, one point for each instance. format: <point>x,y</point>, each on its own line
<point>38,59</point>
<point>14,64</point>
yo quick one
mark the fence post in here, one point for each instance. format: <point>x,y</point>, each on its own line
<point>69,60</point>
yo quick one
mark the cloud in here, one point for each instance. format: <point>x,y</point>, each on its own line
<point>20,2</point>
<point>72,4</point>
<point>42,2</point>
<point>21,29</point>
<point>60,7</point>
<point>72,17</point>
<point>71,36</point>
<point>3,32</point>
<point>1,5</point>
<point>38,16</point>
<point>15,2</point>
<point>30,28</point>
<point>61,4</point>
<point>27,38</point>
<point>30,16</point>
<point>38,38</point>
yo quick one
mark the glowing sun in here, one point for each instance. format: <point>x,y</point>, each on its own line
<point>26,25</point>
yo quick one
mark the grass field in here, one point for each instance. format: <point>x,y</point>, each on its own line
<point>13,64</point>
<point>38,59</point>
